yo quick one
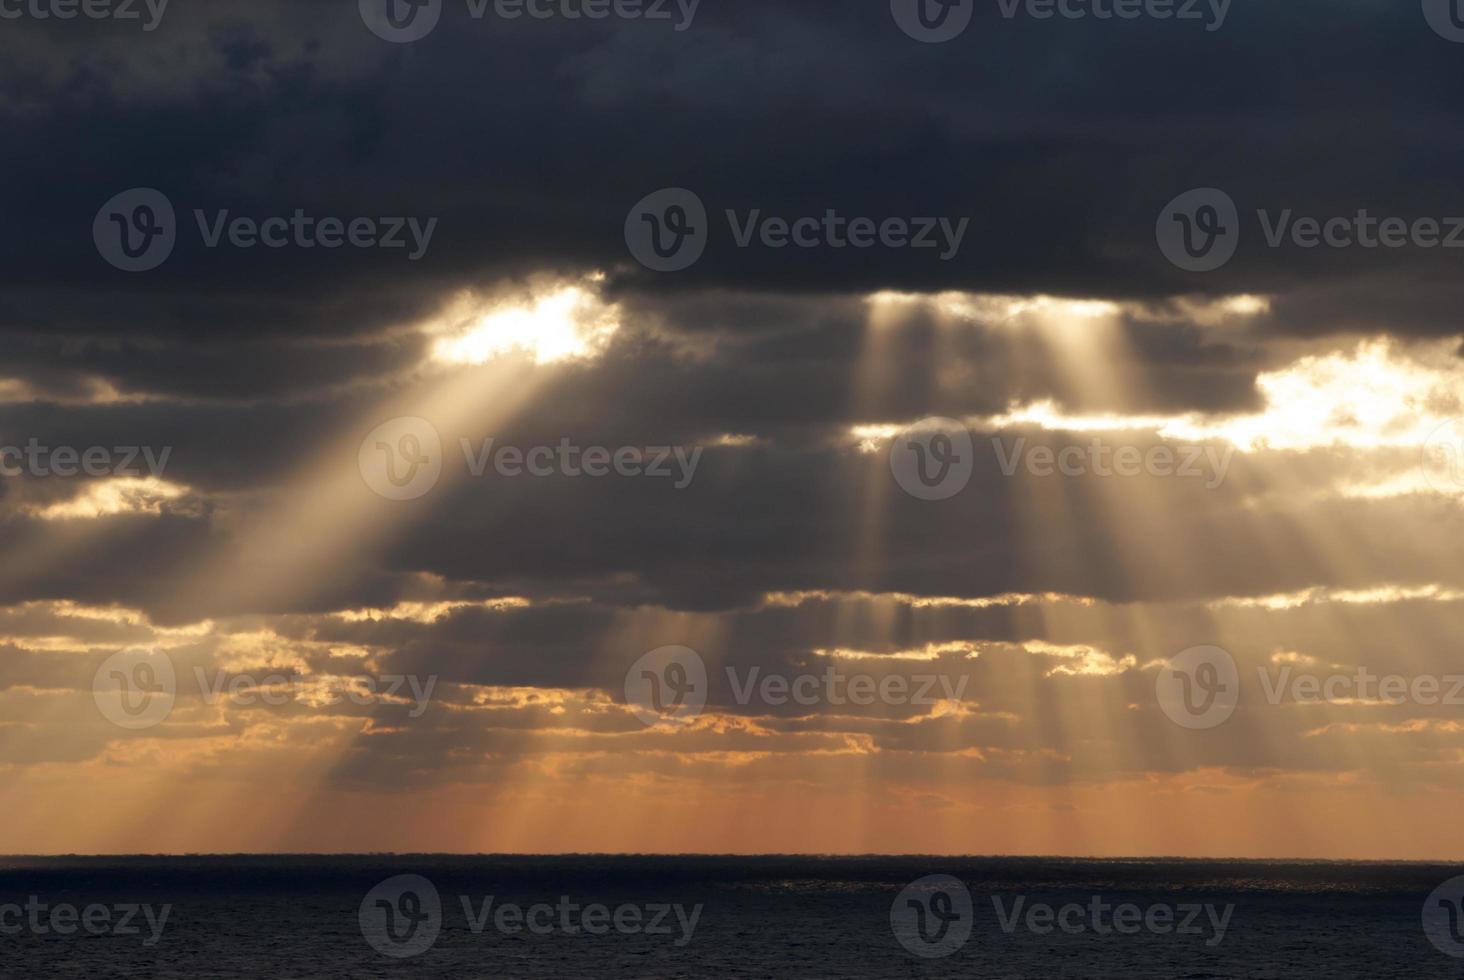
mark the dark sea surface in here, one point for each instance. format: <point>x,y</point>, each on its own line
<point>773,917</point>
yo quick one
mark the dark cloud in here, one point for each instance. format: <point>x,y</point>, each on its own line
<point>1059,140</point>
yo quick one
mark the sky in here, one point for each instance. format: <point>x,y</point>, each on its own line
<point>842,427</point>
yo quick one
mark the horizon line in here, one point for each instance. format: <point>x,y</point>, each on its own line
<point>726,855</point>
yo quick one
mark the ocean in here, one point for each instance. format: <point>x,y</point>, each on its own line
<point>767,917</point>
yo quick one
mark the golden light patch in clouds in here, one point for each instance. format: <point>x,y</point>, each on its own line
<point>566,322</point>
<point>1412,727</point>
<point>64,624</point>
<point>1319,595</point>
<point>15,390</point>
<point>930,651</point>
<point>1379,395</point>
<point>735,440</point>
<point>793,599</point>
<point>1292,657</point>
<point>555,699</point>
<point>430,612</point>
<point>872,438</point>
<point>1204,311</point>
<point>87,391</point>
<point>1081,659</point>
<point>1060,310</point>
<point>247,649</point>
<point>75,610</point>
<point>123,495</point>
<point>888,306</point>
<point>1045,414</point>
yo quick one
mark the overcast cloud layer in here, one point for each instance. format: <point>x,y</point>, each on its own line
<point>1296,500</point>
